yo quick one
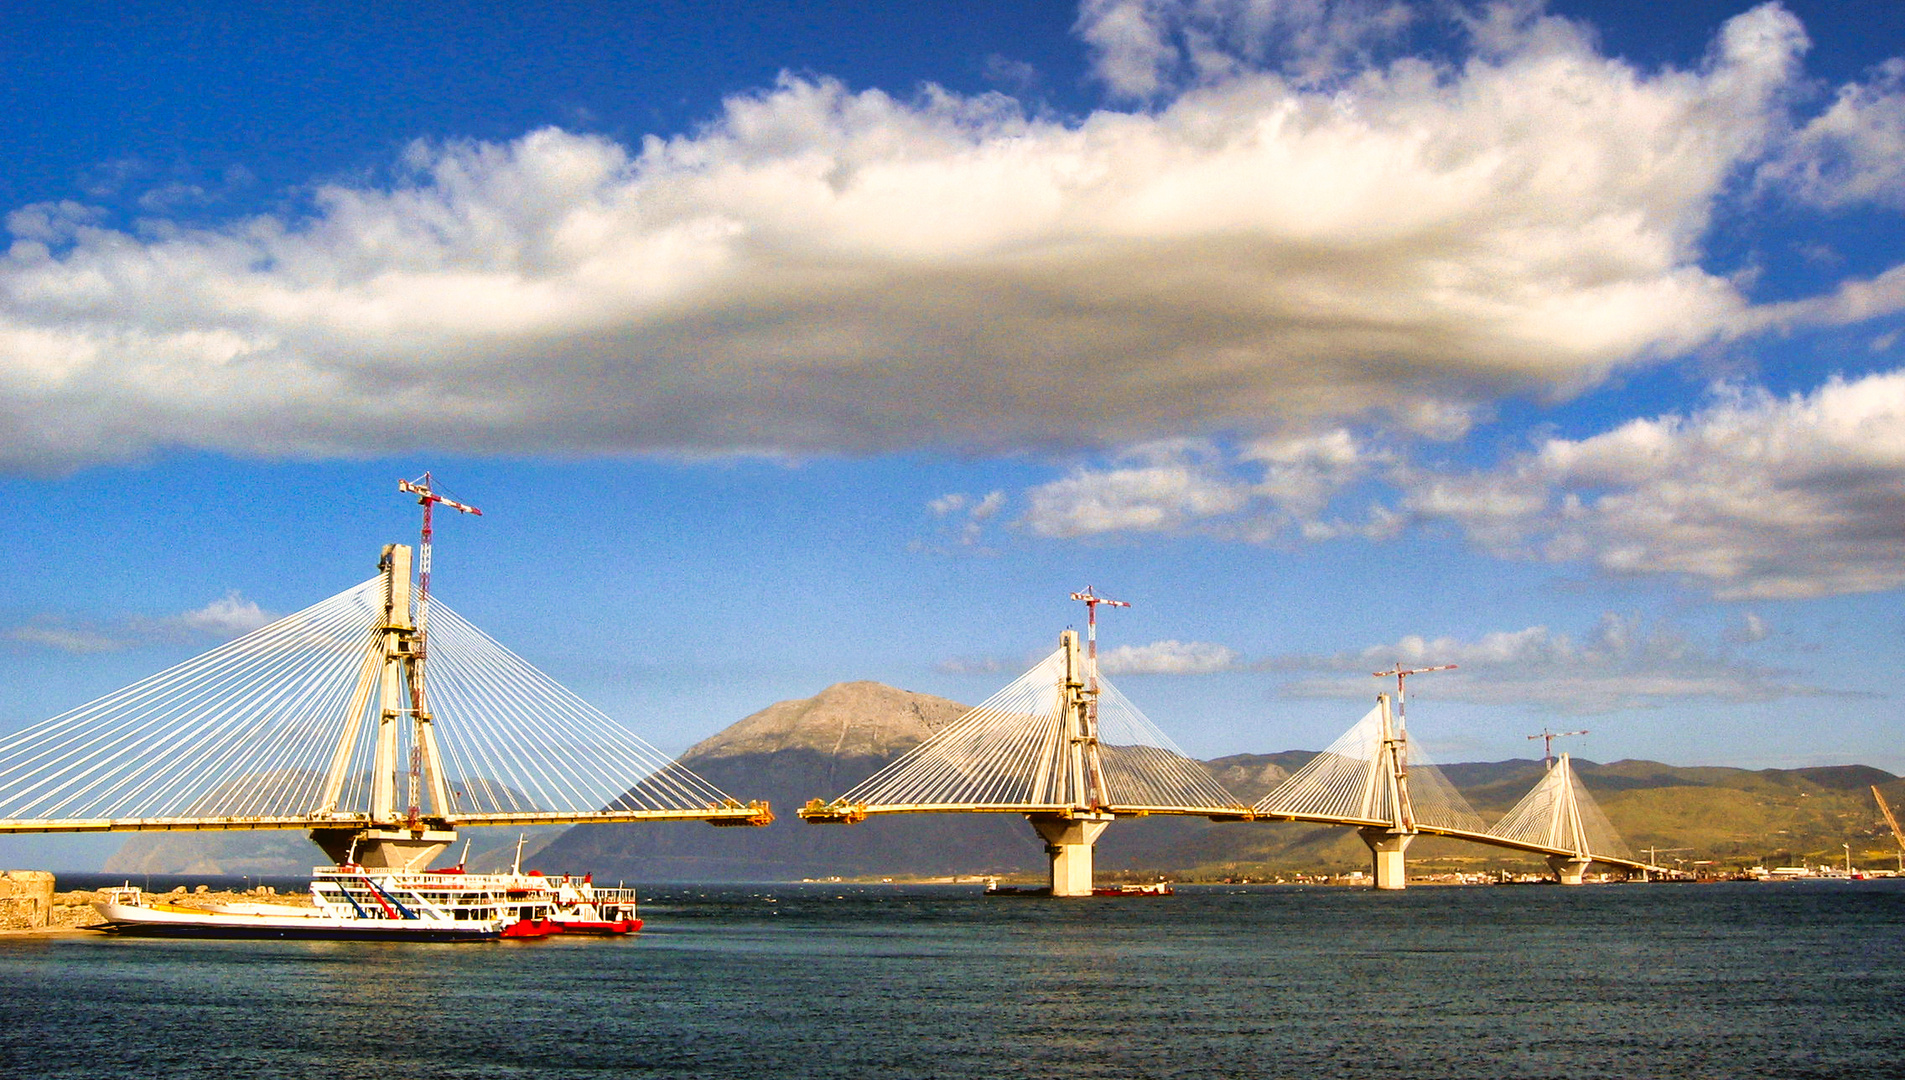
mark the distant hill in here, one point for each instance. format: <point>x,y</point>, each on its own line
<point>821,746</point>
<point>791,752</point>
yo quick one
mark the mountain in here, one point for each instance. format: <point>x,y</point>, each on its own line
<point>819,747</point>
<point>787,754</point>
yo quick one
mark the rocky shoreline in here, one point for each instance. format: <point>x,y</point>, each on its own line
<point>71,912</point>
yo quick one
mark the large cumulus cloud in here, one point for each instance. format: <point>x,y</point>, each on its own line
<point>824,271</point>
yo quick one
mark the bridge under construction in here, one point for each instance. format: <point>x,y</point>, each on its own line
<point>379,720</point>
<point>1063,747</point>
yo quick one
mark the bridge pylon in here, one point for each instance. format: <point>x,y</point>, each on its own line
<point>1367,780</point>
<point>393,670</point>
<point>1060,746</point>
<point>1560,816</point>
<point>1387,843</point>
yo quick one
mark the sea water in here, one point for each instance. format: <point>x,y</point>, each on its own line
<point>1803,979</point>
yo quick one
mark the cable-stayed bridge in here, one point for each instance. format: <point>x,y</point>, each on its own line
<point>1063,747</point>
<point>1373,779</point>
<point>1058,745</point>
<point>322,721</point>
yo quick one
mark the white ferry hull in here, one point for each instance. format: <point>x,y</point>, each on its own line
<point>167,921</point>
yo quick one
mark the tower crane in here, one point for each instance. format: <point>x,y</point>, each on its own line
<point>1893,822</point>
<point>1091,600</point>
<point>1547,743</point>
<point>1396,740</point>
<point>427,497</point>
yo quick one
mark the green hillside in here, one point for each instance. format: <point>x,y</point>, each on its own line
<point>1728,819</point>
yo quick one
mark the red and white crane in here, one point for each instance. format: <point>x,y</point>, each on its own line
<point>1402,674</point>
<point>1547,743</point>
<point>427,497</point>
<point>1094,767</point>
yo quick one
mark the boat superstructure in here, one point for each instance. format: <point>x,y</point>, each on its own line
<point>353,903</point>
<point>348,903</point>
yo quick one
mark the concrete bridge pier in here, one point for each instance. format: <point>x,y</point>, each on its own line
<point>1068,841</point>
<point>1568,868</point>
<point>1385,849</point>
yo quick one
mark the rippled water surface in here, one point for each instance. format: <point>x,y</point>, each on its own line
<point>1783,980</point>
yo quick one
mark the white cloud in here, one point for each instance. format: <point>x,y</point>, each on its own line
<point>1141,48</point>
<point>69,639</point>
<point>968,514</point>
<point>1168,658</point>
<point>1624,663</point>
<point>1160,487</point>
<point>1191,485</point>
<point>819,271</point>
<point>1750,628</point>
<point>1852,153</point>
<point>1754,497</point>
<point>228,616</point>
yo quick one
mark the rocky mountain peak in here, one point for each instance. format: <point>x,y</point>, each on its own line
<point>846,720</point>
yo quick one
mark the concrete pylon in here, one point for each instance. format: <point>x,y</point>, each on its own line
<point>1385,849</point>
<point>384,849</point>
<point>1568,869</point>
<point>1068,841</point>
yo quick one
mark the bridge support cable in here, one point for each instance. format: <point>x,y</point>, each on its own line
<point>1559,816</point>
<point>1373,777</point>
<point>1367,777</point>
<point>311,723</point>
<point>1047,746</point>
<point>244,730</point>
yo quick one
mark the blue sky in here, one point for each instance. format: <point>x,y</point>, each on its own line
<point>794,344</point>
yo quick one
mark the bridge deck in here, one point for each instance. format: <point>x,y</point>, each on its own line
<point>1459,834</point>
<point>753,814</point>
<point>837,813</point>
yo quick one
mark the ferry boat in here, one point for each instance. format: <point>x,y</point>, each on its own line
<point>1155,888</point>
<point>572,905</point>
<point>352,904</point>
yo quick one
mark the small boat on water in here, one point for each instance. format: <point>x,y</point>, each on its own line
<point>1156,888</point>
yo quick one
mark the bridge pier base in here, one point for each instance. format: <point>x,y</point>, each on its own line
<point>1568,869</point>
<point>1385,849</point>
<point>384,849</point>
<point>1068,841</point>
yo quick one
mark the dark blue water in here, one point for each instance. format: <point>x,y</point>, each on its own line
<point>1776,980</point>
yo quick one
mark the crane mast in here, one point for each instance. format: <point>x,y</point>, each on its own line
<point>1395,743</point>
<point>1897,836</point>
<point>1089,736</point>
<point>1547,743</point>
<point>423,745</point>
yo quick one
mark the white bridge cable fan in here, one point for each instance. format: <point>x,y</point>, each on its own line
<point>514,740</point>
<point>246,730</point>
<point>1006,752</point>
<point>1012,751</point>
<point>1559,813</point>
<point>1143,767</point>
<point>250,732</point>
<point>1346,781</point>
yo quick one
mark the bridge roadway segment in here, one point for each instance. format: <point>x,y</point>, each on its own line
<point>751,814</point>
<point>834,813</point>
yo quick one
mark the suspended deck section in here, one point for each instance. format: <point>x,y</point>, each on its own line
<point>1378,781</point>
<point>320,721</point>
<point>1042,745</point>
<point>1059,745</point>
